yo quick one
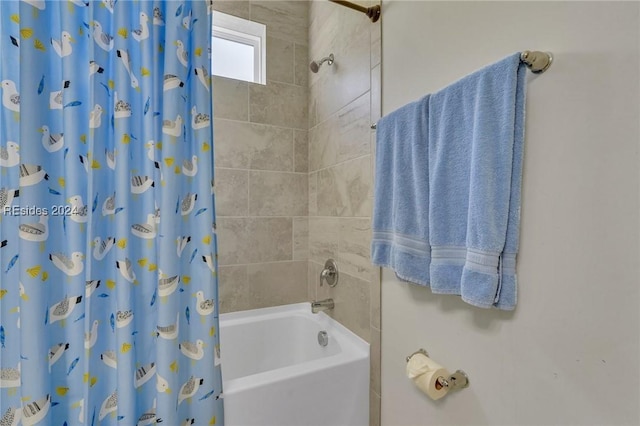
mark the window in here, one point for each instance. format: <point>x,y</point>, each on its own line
<point>238,48</point>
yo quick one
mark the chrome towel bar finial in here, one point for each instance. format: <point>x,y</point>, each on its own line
<point>538,62</point>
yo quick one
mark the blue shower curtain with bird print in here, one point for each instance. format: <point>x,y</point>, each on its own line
<point>108,285</point>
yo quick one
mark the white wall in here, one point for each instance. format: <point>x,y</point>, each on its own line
<point>569,354</point>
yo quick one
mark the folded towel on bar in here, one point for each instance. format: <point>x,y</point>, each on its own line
<point>476,138</point>
<point>401,208</point>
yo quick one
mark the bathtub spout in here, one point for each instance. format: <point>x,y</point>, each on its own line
<point>321,305</point>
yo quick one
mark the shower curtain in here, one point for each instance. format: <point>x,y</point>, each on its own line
<point>108,287</point>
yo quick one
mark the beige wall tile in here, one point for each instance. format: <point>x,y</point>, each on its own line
<point>301,151</point>
<point>301,60</point>
<point>268,143</point>
<point>374,409</point>
<point>288,20</point>
<point>313,194</point>
<point>254,240</point>
<point>261,285</point>
<point>232,192</point>
<point>324,30</point>
<point>312,280</point>
<point>279,104</point>
<point>300,238</point>
<point>376,100</point>
<point>239,8</point>
<point>343,136</point>
<point>373,163</point>
<point>278,194</point>
<point>351,297</point>
<point>375,297</point>
<point>374,376</point>
<point>354,247</point>
<point>320,13</point>
<point>344,100</point>
<point>376,45</point>
<point>324,238</point>
<point>230,99</point>
<point>232,284</point>
<point>376,112</point>
<point>328,97</point>
<point>347,36</point>
<point>345,189</point>
<point>246,145</point>
<point>280,62</point>
<point>275,284</point>
<point>312,111</point>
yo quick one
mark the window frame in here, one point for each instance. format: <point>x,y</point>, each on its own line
<point>244,31</point>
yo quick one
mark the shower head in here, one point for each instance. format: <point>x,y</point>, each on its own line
<point>314,66</point>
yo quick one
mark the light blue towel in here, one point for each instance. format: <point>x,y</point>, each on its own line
<point>476,137</point>
<point>401,209</point>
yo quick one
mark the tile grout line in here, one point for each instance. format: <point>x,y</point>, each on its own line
<point>272,80</point>
<point>258,170</point>
<point>340,163</point>
<point>294,68</point>
<point>258,123</point>
<point>293,149</point>
<point>293,233</point>
<point>330,116</point>
<point>268,262</point>
<point>248,193</point>
<point>249,88</point>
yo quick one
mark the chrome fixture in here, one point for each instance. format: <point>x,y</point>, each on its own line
<point>456,381</point>
<point>322,305</point>
<point>372,12</point>
<point>314,66</point>
<point>323,338</point>
<point>329,273</point>
<point>537,62</point>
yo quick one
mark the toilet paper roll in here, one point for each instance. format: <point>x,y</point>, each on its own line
<point>424,373</point>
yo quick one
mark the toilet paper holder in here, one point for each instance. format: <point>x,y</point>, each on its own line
<point>456,381</point>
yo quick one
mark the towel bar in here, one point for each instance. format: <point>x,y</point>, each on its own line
<point>537,62</point>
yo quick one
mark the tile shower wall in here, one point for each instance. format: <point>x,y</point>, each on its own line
<point>344,99</point>
<point>261,152</point>
<point>288,198</point>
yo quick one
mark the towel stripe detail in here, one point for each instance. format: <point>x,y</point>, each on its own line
<point>474,259</point>
<point>411,245</point>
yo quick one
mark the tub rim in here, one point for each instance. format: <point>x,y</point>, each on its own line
<point>353,347</point>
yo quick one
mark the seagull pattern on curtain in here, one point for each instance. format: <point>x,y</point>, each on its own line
<point>108,284</point>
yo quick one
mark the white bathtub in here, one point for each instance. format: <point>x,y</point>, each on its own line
<point>276,374</point>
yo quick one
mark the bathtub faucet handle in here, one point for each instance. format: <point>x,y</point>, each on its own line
<point>329,273</point>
